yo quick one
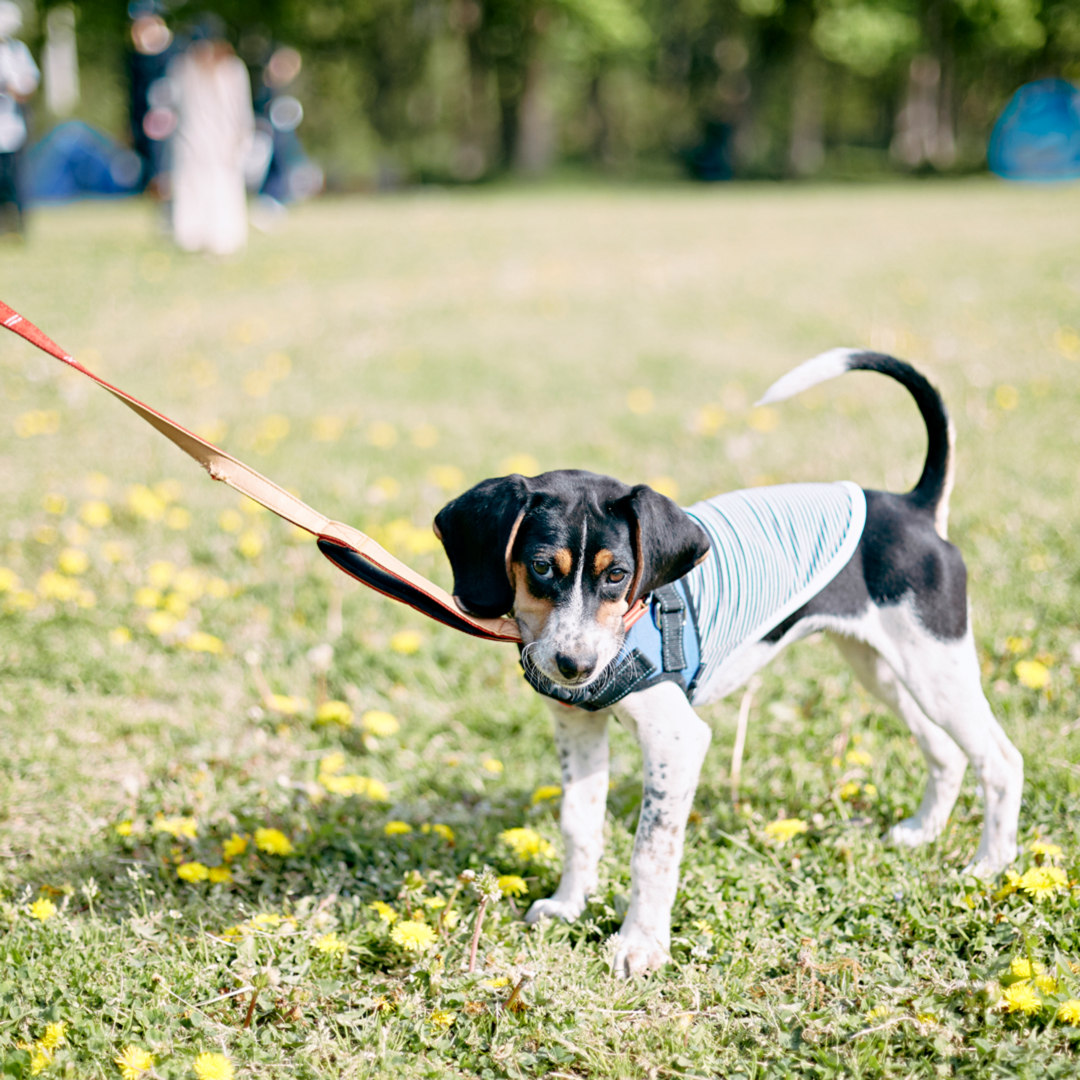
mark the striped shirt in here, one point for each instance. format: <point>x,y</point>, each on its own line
<point>773,548</point>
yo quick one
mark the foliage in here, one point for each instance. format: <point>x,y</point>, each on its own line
<point>463,90</point>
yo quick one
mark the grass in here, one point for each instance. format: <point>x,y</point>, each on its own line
<point>378,356</point>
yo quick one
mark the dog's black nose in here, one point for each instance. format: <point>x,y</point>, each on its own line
<point>575,667</point>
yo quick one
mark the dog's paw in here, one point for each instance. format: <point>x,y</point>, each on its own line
<point>637,953</point>
<point>911,832</point>
<point>987,866</point>
<point>553,908</point>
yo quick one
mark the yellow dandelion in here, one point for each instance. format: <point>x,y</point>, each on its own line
<point>286,705</point>
<point>382,435</point>
<point>377,791</point>
<point>380,723</point>
<point>40,1058</point>
<point>859,757</point>
<point>230,521</point>
<point>525,464</point>
<point>180,827</point>
<point>1022,967</point>
<point>176,517</point>
<point>1007,396</point>
<point>1032,673</point>
<point>159,623</point>
<point>1021,998</point>
<point>42,909</point>
<point>96,514</point>
<point>545,792</point>
<point>441,1019</point>
<point>878,1013</point>
<point>327,428</point>
<point>124,828</point>
<point>512,885</point>
<point>54,504</point>
<point>1046,849</point>
<point>349,784</point>
<point>98,484</point>
<point>147,597</point>
<point>218,588</point>
<point>785,829</point>
<point>234,846</point>
<point>268,920</point>
<point>1041,882</point>
<point>334,712</point>
<point>330,944</point>
<point>133,1062</point>
<point>385,912</point>
<point>192,872</point>
<point>527,844</point>
<point>640,400</point>
<point>273,841</point>
<point>412,936</point>
<point>203,642</point>
<point>220,875</point>
<point>406,642</point>
<point>397,828</point>
<point>119,635</point>
<point>54,586</point>
<point>439,829</point>
<point>249,544</point>
<point>1069,1012</point>
<point>425,436</point>
<point>213,1067</point>
<point>850,791</point>
<point>763,419</point>
<point>497,983</point>
<point>54,1035</point>
<point>143,503</point>
<point>492,765</point>
<point>1046,983</point>
<point>447,477</point>
<point>9,580</point>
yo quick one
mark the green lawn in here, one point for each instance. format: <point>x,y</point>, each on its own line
<point>378,356</point>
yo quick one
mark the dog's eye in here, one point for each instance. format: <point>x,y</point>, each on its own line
<point>541,568</point>
<point>616,576</point>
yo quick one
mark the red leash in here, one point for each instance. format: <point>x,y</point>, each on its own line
<point>348,548</point>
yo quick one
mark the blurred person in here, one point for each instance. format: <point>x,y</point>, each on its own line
<point>151,104</point>
<point>19,78</point>
<point>213,136</point>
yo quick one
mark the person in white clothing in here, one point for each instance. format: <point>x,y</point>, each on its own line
<point>213,136</point>
<point>18,80</point>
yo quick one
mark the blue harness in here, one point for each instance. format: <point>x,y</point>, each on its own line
<point>772,549</point>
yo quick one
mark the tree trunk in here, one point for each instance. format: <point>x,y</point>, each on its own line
<point>534,149</point>
<point>806,142</point>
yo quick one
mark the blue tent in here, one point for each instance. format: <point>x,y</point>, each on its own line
<point>1037,137</point>
<point>76,161</point>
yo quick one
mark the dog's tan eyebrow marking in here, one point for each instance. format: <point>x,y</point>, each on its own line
<point>564,561</point>
<point>602,560</point>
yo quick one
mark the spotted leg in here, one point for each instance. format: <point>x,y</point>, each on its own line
<point>673,741</point>
<point>581,738</point>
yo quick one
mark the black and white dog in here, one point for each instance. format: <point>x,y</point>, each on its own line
<point>569,553</point>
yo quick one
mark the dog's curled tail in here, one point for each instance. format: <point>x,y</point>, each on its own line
<point>935,485</point>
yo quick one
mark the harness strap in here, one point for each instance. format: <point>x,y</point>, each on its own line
<point>347,547</point>
<point>672,619</point>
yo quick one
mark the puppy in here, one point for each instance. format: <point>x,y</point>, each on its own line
<point>726,584</point>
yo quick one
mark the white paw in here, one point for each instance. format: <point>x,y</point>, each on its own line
<point>553,908</point>
<point>912,832</point>
<point>989,865</point>
<point>637,953</point>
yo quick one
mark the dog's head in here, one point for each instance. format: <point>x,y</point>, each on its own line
<point>567,553</point>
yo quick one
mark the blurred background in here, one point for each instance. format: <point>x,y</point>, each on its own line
<point>362,94</point>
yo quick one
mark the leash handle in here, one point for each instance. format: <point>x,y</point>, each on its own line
<point>347,547</point>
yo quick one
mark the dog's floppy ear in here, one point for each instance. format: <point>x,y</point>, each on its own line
<point>667,541</point>
<point>478,530</point>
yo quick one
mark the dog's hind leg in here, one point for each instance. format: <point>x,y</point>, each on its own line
<point>945,760</point>
<point>673,740</point>
<point>582,741</point>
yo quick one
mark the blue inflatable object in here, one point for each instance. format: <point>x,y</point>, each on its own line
<point>1037,137</point>
<point>76,161</point>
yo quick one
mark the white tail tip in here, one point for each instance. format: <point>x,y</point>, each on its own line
<point>820,369</point>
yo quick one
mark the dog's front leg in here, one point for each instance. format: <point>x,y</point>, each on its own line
<point>673,741</point>
<point>581,738</point>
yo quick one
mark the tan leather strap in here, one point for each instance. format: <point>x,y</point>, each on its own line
<point>348,548</point>
<point>391,576</point>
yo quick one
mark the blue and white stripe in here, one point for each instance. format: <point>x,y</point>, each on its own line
<point>773,548</point>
